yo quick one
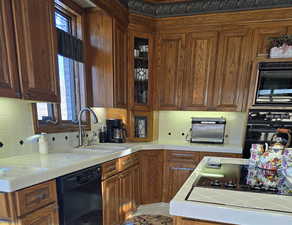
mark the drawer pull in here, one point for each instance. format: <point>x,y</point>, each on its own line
<point>184,169</point>
<point>182,154</point>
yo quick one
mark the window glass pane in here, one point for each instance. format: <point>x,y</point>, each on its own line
<point>45,111</point>
<point>63,22</point>
<point>67,88</point>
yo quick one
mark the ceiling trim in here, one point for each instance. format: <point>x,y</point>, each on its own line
<point>160,10</point>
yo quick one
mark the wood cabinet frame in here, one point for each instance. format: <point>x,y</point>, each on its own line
<point>131,37</point>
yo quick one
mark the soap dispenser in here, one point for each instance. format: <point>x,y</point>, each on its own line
<point>43,144</point>
<point>42,141</point>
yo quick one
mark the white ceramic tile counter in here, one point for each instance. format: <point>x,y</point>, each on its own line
<point>179,206</point>
<point>23,171</point>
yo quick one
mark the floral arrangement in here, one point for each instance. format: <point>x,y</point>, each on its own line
<point>280,41</point>
<point>281,47</point>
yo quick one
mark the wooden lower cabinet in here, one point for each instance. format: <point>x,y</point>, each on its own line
<point>175,175</point>
<point>35,205</point>
<point>121,195</point>
<point>45,216</point>
<point>151,162</point>
<point>111,200</point>
<point>185,221</point>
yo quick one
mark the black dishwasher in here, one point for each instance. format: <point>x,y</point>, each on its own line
<point>79,197</point>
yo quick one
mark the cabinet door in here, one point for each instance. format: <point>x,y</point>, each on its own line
<point>37,50</point>
<point>233,68</point>
<point>176,174</point>
<point>127,193</point>
<point>136,186</point>
<point>200,68</point>
<point>9,83</point>
<point>45,216</point>
<point>151,176</point>
<point>111,200</point>
<point>140,70</point>
<point>120,66</point>
<point>170,70</point>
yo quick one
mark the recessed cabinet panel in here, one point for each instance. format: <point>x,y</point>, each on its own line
<point>170,70</point>
<point>120,66</point>
<point>9,85</point>
<point>200,69</point>
<point>37,50</point>
<point>232,71</point>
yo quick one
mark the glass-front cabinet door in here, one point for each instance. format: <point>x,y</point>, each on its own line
<point>140,71</point>
<point>141,126</point>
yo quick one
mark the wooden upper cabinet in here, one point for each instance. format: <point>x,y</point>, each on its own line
<point>9,85</point>
<point>140,71</point>
<point>200,68</point>
<point>170,70</point>
<point>37,50</point>
<point>120,65</point>
<point>233,69</point>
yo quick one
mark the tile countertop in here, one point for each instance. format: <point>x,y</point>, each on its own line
<point>26,170</point>
<point>221,213</point>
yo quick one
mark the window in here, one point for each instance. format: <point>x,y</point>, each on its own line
<point>63,117</point>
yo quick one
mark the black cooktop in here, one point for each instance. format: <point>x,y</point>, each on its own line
<point>244,178</point>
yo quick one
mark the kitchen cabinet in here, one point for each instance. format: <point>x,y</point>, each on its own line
<point>200,70</point>
<point>9,81</point>
<point>141,126</point>
<point>151,163</point>
<point>178,167</point>
<point>120,191</point>
<point>36,49</point>
<point>111,200</point>
<point>120,65</point>
<point>33,205</point>
<point>170,70</point>
<point>233,70</point>
<point>106,45</point>
<point>140,54</point>
<point>45,216</point>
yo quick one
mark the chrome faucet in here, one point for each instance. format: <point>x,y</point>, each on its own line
<point>81,133</point>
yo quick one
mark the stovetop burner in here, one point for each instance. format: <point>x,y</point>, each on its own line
<point>244,178</point>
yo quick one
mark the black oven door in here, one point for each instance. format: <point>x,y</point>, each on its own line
<point>274,83</point>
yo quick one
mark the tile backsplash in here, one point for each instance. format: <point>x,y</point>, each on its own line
<point>16,124</point>
<point>173,124</point>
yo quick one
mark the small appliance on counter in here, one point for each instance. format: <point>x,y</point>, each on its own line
<point>115,131</point>
<point>208,130</point>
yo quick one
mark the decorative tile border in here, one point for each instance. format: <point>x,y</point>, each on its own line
<point>160,10</point>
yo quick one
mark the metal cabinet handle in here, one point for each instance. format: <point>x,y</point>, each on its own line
<point>183,169</point>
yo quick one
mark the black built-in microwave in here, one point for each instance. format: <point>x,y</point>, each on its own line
<point>274,86</point>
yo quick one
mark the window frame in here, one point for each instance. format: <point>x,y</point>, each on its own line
<point>76,13</point>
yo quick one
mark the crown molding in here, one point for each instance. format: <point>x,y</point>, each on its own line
<point>161,10</point>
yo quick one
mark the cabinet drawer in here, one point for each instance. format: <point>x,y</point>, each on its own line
<point>183,156</point>
<point>45,216</point>
<point>109,169</point>
<point>128,161</point>
<point>35,197</point>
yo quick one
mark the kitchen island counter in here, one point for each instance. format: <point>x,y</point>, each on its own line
<point>199,203</point>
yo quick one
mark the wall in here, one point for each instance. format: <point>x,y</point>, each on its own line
<point>16,124</point>
<point>178,122</point>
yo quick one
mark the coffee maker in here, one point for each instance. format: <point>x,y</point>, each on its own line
<point>116,133</point>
